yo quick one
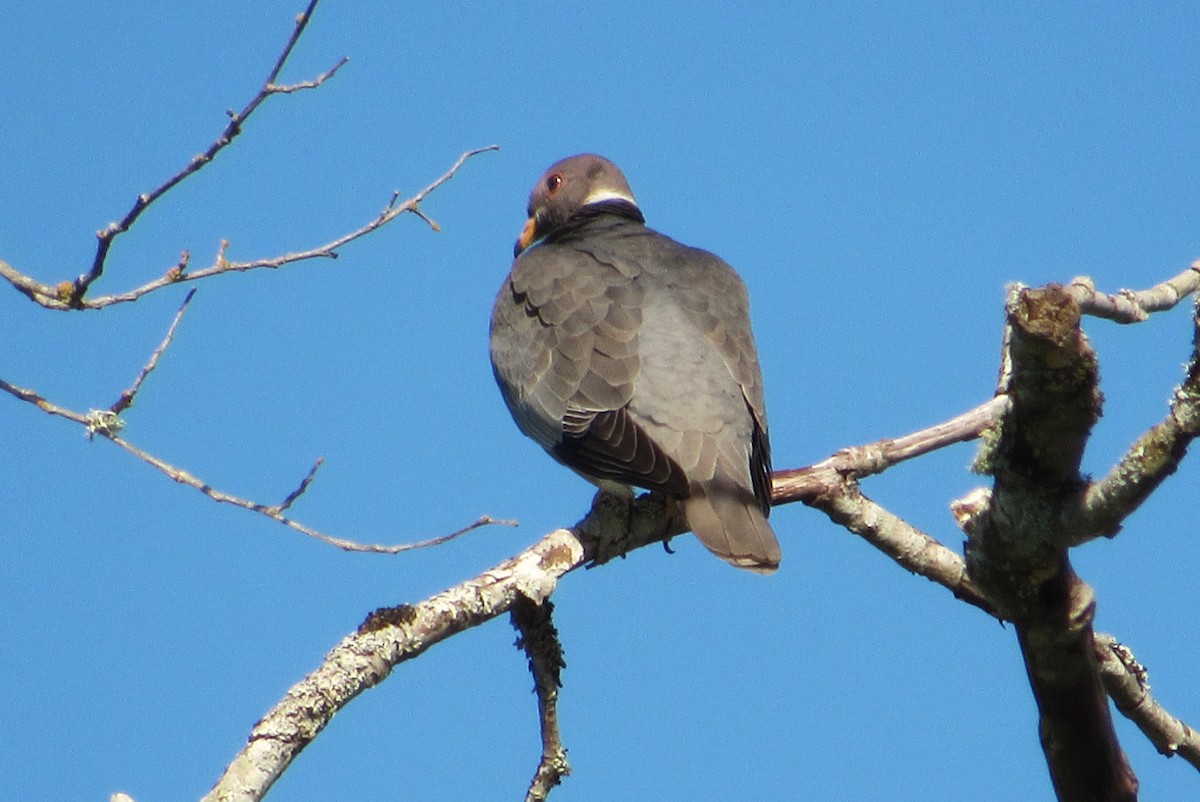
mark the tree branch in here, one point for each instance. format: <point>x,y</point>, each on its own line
<point>49,297</point>
<point>1150,460</point>
<point>1134,306</point>
<point>73,296</point>
<point>1017,550</point>
<point>127,397</point>
<point>857,462</point>
<point>539,639</point>
<point>108,424</point>
<point>915,551</point>
<point>388,637</point>
<point>1127,683</point>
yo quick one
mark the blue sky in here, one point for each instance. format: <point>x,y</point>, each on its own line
<point>877,173</point>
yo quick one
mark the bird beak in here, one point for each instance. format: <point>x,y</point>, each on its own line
<point>529,235</point>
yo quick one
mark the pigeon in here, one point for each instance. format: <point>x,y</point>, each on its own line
<point>630,359</point>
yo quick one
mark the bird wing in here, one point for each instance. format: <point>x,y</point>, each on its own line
<point>707,296</point>
<point>565,352</point>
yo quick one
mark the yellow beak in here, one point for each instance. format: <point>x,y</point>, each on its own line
<point>529,235</point>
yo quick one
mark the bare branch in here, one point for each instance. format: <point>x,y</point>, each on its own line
<point>1155,456</point>
<point>126,400</point>
<point>275,511</point>
<point>178,274</point>
<point>31,397</point>
<point>69,295</point>
<point>393,635</point>
<point>802,484</point>
<point>303,486</point>
<point>1134,306</point>
<point>287,89</point>
<point>35,291</point>
<point>1017,548</point>
<point>386,638</point>
<point>108,425</point>
<point>107,235</point>
<point>1127,683</point>
<point>911,548</point>
<point>539,639</point>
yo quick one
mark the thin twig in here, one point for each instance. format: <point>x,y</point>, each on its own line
<point>1134,306</point>
<point>237,120</point>
<point>275,511</point>
<point>287,89</point>
<point>126,400</point>
<point>1127,682</point>
<point>538,637</point>
<point>108,426</point>
<point>802,484</point>
<point>31,397</point>
<point>177,274</point>
<point>303,486</point>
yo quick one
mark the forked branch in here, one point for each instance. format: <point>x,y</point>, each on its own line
<point>108,424</point>
<point>73,295</point>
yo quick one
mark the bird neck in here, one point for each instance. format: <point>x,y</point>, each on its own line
<point>618,207</point>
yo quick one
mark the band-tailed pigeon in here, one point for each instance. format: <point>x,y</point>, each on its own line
<point>629,357</point>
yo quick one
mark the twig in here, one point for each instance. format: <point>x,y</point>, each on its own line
<point>275,511</point>
<point>31,397</point>
<point>303,486</point>
<point>539,639</point>
<point>299,86</point>
<point>801,484</point>
<point>1127,683</point>
<point>1148,462</point>
<point>237,120</point>
<point>1134,306</point>
<point>385,639</point>
<point>126,400</point>
<point>108,425</point>
<point>177,275</point>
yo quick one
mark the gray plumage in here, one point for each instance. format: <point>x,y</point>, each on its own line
<point>629,358</point>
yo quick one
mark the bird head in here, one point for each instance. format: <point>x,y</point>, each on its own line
<point>566,188</point>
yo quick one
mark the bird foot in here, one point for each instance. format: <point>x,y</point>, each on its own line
<point>608,526</point>
<point>618,524</point>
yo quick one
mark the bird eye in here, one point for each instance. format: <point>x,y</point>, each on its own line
<point>553,182</point>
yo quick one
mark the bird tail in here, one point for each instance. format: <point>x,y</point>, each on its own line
<point>734,527</point>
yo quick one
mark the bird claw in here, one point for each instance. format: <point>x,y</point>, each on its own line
<point>608,527</point>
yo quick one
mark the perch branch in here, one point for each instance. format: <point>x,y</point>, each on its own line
<point>385,639</point>
<point>390,636</point>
